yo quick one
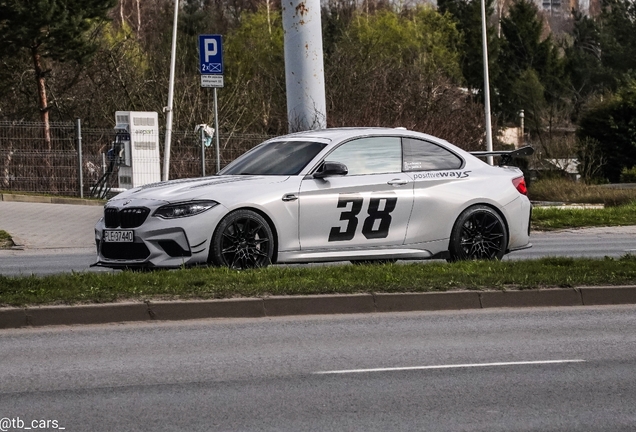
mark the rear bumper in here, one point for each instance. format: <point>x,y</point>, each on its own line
<point>519,213</point>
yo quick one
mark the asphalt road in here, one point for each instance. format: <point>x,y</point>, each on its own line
<point>261,374</point>
<point>59,238</point>
<point>584,242</point>
<point>589,242</point>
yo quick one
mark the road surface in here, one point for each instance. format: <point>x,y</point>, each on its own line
<point>547,369</point>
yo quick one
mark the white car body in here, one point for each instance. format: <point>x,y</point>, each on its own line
<point>406,213</point>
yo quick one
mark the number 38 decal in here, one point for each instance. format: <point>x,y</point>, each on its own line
<point>374,214</point>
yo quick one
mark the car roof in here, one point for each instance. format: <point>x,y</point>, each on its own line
<point>340,134</point>
<point>332,136</point>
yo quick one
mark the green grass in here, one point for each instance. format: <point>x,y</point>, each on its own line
<point>5,240</point>
<point>568,191</point>
<point>208,283</point>
<point>620,205</point>
<point>551,218</point>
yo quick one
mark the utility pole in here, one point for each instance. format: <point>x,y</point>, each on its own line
<point>484,40</point>
<point>168,109</point>
<point>521,120</point>
<point>304,69</point>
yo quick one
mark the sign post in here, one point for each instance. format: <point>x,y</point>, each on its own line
<point>211,68</point>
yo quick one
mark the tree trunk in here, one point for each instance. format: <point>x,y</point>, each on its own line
<point>138,19</point>
<point>44,115</point>
<point>6,181</point>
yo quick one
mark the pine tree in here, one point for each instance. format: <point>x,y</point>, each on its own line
<point>583,59</point>
<point>618,35</point>
<point>467,14</point>
<point>526,53</point>
<point>49,30</point>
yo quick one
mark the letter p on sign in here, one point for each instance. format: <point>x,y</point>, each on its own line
<point>210,49</point>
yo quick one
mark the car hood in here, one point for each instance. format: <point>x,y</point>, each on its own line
<point>213,187</point>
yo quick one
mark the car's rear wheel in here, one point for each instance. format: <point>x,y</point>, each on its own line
<point>478,234</point>
<point>242,240</point>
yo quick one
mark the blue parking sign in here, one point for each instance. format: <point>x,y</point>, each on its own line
<point>211,54</point>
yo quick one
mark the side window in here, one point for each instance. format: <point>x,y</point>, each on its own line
<point>375,155</point>
<point>422,155</point>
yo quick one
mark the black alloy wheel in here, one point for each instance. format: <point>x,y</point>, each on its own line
<point>479,234</point>
<point>242,240</point>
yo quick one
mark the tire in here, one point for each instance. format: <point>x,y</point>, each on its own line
<point>478,234</point>
<point>242,240</point>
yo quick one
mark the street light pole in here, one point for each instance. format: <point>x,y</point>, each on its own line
<point>522,118</point>
<point>484,39</point>
<point>168,109</point>
<point>304,65</point>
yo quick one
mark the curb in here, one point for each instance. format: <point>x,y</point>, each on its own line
<point>49,199</point>
<point>37,316</point>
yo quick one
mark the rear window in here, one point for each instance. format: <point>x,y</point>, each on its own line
<point>420,155</point>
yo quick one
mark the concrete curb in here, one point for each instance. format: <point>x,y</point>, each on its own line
<point>311,305</point>
<point>408,302</point>
<point>318,304</point>
<point>49,199</point>
<point>608,295</point>
<point>531,298</point>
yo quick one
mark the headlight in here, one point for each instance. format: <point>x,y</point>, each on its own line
<point>185,209</point>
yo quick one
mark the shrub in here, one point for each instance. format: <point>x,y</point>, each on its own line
<point>628,175</point>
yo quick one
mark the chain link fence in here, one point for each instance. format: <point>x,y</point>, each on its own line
<point>34,161</point>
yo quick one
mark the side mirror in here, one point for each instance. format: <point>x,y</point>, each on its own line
<point>331,169</point>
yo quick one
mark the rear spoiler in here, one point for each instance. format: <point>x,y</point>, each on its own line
<point>506,155</point>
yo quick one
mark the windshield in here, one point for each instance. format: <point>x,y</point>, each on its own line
<point>275,158</point>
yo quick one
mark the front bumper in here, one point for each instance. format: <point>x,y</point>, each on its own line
<point>162,243</point>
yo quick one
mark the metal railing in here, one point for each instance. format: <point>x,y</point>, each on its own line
<point>75,159</point>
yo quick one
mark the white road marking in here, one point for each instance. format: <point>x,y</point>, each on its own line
<point>456,366</point>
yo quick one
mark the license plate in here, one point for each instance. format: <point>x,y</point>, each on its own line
<point>118,236</point>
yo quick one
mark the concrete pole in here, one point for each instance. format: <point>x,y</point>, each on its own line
<point>484,40</point>
<point>202,138</point>
<point>80,165</point>
<point>522,117</point>
<point>173,55</point>
<point>304,70</point>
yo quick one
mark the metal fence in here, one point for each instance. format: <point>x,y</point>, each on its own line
<point>31,163</point>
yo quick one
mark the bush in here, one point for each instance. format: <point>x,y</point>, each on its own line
<point>628,175</point>
<point>610,121</point>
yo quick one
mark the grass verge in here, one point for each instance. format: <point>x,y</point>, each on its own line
<point>568,191</point>
<point>207,283</point>
<point>550,218</point>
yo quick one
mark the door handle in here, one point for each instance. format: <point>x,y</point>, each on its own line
<point>290,197</point>
<point>397,182</point>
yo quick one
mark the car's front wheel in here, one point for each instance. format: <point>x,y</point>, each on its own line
<point>242,240</point>
<point>478,234</point>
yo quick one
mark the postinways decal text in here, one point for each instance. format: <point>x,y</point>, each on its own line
<point>444,174</point>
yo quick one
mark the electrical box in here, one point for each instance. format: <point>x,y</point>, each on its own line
<point>136,148</point>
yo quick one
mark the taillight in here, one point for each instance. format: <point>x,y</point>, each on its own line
<point>520,184</point>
